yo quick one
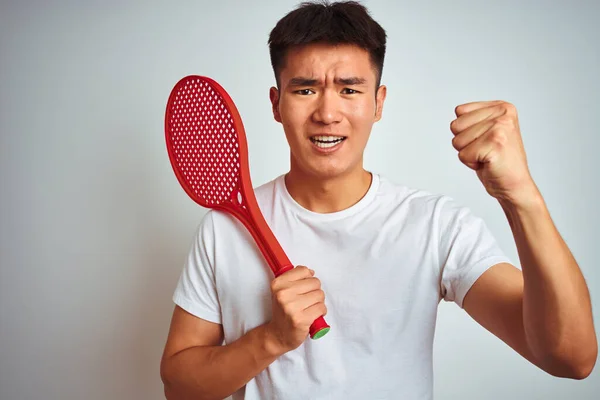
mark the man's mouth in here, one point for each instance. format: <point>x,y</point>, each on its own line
<point>326,141</point>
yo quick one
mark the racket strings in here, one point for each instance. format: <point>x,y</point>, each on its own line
<point>205,142</point>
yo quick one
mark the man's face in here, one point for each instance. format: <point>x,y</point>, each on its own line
<point>327,94</point>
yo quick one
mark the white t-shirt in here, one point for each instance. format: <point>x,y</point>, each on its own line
<point>385,263</point>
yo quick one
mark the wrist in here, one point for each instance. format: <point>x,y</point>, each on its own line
<point>527,199</point>
<point>270,344</point>
<point>525,211</point>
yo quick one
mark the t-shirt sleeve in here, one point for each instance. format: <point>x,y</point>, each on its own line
<point>196,290</point>
<point>467,249</point>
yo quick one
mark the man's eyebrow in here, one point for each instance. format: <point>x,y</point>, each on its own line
<point>354,80</point>
<point>303,81</point>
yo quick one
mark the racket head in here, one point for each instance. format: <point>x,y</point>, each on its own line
<point>206,143</point>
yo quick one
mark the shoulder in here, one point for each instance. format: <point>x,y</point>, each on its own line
<point>266,192</point>
<point>439,211</point>
<point>217,224</point>
<point>413,199</point>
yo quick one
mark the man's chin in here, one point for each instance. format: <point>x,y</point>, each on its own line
<point>329,172</point>
<point>322,169</point>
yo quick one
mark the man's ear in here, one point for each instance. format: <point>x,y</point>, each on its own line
<point>380,98</point>
<point>274,96</point>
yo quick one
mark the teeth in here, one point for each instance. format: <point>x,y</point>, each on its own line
<point>326,145</point>
<point>326,138</point>
<point>326,141</point>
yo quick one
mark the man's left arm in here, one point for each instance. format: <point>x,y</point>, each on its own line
<point>543,312</point>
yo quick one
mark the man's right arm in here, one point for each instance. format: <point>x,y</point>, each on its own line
<point>195,365</point>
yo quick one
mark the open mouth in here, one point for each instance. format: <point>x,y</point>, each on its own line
<point>327,141</point>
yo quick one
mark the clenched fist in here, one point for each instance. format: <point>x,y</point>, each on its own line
<point>488,139</point>
<point>297,301</point>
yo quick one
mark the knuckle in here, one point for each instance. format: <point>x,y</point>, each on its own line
<point>296,320</point>
<point>303,269</point>
<point>498,137</point>
<point>456,142</point>
<point>453,125</point>
<point>504,120</point>
<point>287,310</point>
<point>508,107</point>
<point>281,296</point>
<point>321,295</point>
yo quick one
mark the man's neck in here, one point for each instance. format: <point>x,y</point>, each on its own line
<point>328,195</point>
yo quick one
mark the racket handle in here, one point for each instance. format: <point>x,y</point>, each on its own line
<point>319,327</point>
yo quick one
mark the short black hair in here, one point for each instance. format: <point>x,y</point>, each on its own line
<point>346,22</point>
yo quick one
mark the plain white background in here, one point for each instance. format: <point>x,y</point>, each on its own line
<point>94,227</point>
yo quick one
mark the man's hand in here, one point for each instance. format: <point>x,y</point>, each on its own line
<point>488,139</point>
<point>297,301</point>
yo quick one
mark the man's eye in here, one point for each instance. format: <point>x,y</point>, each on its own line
<point>304,92</point>
<point>349,91</point>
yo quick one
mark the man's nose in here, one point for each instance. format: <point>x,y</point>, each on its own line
<point>328,108</point>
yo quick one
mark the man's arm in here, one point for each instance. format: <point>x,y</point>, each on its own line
<point>196,366</point>
<point>544,313</point>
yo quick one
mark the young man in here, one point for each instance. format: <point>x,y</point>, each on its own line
<point>376,257</point>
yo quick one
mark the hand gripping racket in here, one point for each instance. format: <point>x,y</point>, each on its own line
<point>206,142</point>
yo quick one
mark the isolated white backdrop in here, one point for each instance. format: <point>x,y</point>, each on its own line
<point>94,227</point>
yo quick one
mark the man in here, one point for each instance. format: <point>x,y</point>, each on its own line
<point>374,256</point>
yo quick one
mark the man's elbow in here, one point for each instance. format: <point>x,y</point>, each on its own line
<point>580,371</point>
<point>584,368</point>
<point>165,378</point>
<point>174,389</point>
<point>169,391</point>
<point>575,364</point>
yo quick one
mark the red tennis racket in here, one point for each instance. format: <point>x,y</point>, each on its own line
<point>206,142</point>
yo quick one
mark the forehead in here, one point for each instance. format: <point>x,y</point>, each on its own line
<point>320,60</point>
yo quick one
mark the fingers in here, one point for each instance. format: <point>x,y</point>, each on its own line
<point>307,285</point>
<point>305,309</point>
<point>297,290</point>
<point>471,134</point>
<point>300,272</point>
<point>471,129</point>
<point>295,274</point>
<point>467,120</point>
<point>312,299</point>
<point>476,105</point>
<point>477,152</point>
<point>315,311</point>
<point>297,301</point>
<point>308,300</point>
<point>292,304</point>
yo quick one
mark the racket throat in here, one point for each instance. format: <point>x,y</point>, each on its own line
<point>283,270</point>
